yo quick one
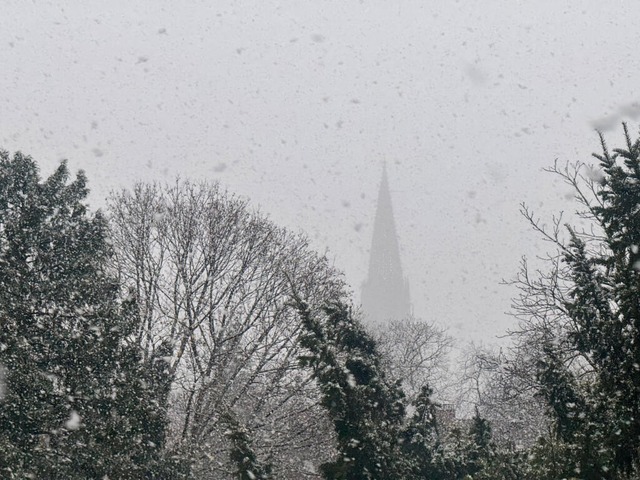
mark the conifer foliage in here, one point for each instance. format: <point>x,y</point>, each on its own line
<point>589,367</point>
<point>375,438</point>
<point>366,410</point>
<point>76,400</point>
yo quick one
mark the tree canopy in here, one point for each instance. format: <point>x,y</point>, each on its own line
<point>77,401</point>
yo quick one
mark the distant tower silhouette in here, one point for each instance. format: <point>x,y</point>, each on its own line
<point>385,293</point>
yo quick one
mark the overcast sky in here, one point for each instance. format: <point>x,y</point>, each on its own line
<point>296,105</point>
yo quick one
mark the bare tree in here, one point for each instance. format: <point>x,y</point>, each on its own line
<point>544,290</point>
<point>503,384</point>
<point>415,352</point>
<point>213,279</point>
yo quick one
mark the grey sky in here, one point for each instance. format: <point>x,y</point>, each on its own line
<point>297,104</point>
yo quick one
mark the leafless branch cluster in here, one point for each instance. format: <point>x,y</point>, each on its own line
<point>213,282</point>
<point>416,353</point>
<point>504,382</point>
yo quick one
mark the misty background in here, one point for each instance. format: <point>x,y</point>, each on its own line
<point>296,105</point>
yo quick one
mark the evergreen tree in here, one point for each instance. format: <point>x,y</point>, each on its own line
<point>547,460</point>
<point>481,450</point>
<point>477,457</point>
<point>77,401</point>
<point>604,304</point>
<point>242,455</point>
<point>558,386</point>
<point>421,439</point>
<point>584,317</point>
<point>366,410</point>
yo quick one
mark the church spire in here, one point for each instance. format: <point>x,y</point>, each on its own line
<point>385,293</point>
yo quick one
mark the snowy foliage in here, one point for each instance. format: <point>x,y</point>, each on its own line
<point>71,379</point>
<point>366,409</point>
<point>190,337</point>
<point>582,318</point>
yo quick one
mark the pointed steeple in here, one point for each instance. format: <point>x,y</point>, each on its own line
<point>385,293</point>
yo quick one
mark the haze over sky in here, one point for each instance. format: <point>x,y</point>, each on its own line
<point>296,105</point>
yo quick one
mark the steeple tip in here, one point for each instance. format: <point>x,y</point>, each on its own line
<point>385,293</point>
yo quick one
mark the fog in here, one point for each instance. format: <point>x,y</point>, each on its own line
<point>296,105</point>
